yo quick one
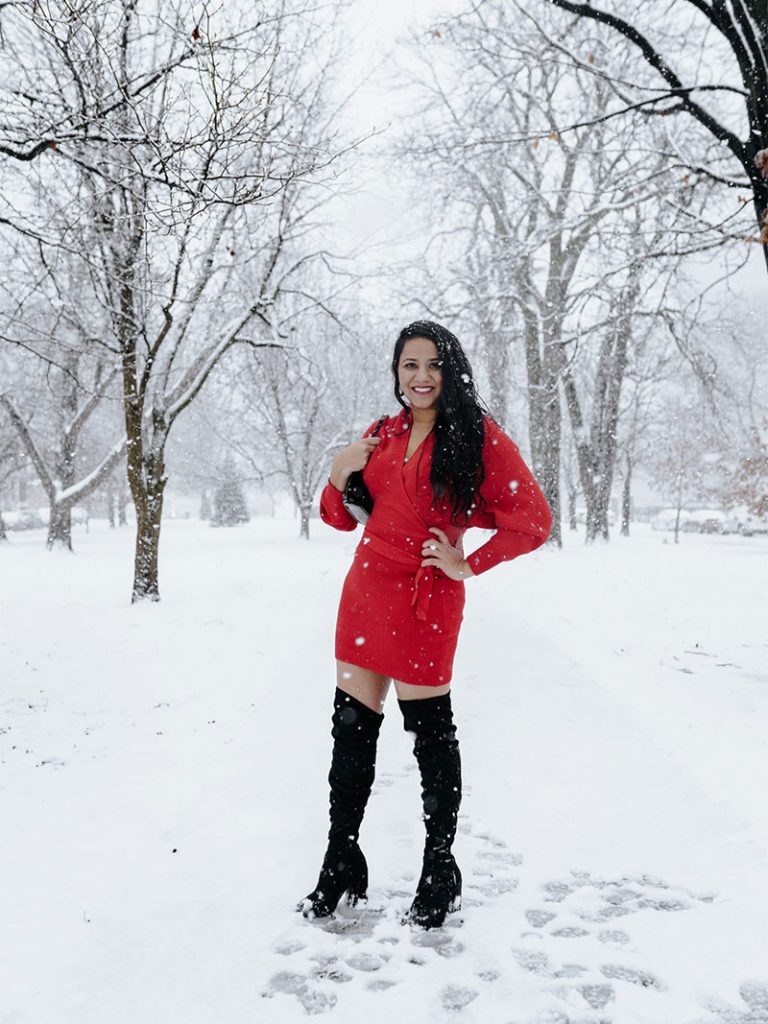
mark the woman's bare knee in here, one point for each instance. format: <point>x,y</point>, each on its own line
<point>370,688</point>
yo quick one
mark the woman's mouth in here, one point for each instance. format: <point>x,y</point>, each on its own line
<point>422,390</point>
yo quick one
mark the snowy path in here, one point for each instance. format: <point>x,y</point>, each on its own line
<point>163,795</point>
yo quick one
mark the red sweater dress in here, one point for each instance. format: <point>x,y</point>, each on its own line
<point>396,617</point>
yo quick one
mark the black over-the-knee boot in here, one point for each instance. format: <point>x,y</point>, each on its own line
<point>355,733</point>
<point>437,752</point>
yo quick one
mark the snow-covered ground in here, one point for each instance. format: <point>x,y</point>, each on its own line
<point>163,791</point>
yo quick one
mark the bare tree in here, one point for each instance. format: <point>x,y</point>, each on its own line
<point>299,405</point>
<point>646,371</point>
<point>554,227</point>
<point>69,397</point>
<point>740,30</point>
<point>190,156</point>
<point>681,440</point>
<point>740,474</point>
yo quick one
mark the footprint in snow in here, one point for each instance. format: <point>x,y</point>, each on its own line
<point>314,1000</point>
<point>289,947</point>
<point>501,856</point>
<point>754,1010</point>
<point>486,868</point>
<point>441,940</point>
<point>538,918</point>
<point>366,961</point>
<point>328,966</point>
<point>570,932</point>
<point>455,997</point>
<point>597,996</point>
<point>631,975</point>
<point>328,969</point>
<point>619,897</point>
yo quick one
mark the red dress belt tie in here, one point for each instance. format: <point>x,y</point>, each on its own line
<point>425,574</point>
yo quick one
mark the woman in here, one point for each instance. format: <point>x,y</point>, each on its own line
<point>433,470</point>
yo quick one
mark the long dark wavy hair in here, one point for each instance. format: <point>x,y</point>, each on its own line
<point>457,464</point>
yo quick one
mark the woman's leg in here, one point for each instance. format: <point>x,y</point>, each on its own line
<point>407,691</point>
<point>368,687</point>
<point>356,722</point>
<point>428,716</point>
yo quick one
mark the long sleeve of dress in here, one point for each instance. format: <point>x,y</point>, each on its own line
<point>332,510</point>
<point>512,504</point>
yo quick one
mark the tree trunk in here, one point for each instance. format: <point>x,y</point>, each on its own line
<point>304,529</point>
<point>679,509</point>
<point>597,454</point>
<point>759,178</point>
<point>544,413</point>
<point>497,354</point>
<point>60,526</point>
<point>149,509</point>
<point>3,534</point>
<point>606,415</point>
<point>626,502</point>
<point>584,456</point>
<point>122,505</point>
<point>572,495</point>
<point>110,500</point>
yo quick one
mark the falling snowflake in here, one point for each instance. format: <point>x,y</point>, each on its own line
<point>359,640</point>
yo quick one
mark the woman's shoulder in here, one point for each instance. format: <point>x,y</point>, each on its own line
<point>494,436</point>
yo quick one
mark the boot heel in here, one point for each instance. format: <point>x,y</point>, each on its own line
<point>355,896</point>
<point>357,889</point>
<point>455,902</point>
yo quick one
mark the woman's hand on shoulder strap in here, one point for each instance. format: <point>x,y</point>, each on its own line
<point>443,555</point>
<point>352,458</point>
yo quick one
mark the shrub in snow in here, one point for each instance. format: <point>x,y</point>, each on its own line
<point>229,507</point>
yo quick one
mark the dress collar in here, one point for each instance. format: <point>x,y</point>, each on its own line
<point>402,423</point>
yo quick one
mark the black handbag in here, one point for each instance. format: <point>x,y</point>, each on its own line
<point>357,498</point>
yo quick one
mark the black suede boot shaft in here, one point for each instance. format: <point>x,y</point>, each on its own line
<point>355,731</point>
<point>437,753</point>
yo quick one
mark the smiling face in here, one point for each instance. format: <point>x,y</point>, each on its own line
<point>419,373</point>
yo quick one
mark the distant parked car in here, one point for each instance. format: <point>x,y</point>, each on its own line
<point>741,520</point>
<point>702,520</point>
<point>689,525</point>
<point>707,520</point>
<point>713,525</point>
<point>665,520</point>
<point>23,519</point>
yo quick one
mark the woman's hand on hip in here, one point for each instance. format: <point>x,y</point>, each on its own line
<point>352,458</point>
<point>439,551</point>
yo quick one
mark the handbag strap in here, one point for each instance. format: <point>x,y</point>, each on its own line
<point>377,428</point>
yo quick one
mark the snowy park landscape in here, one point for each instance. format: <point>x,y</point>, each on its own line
<point>514,250</point>
<point>164,798</point>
